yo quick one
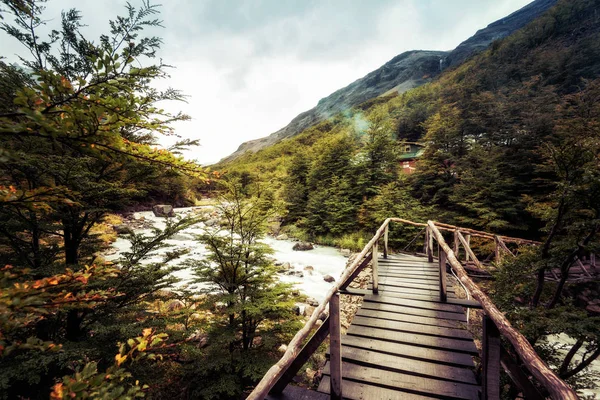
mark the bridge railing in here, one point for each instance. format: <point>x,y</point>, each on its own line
<point>495,324</point>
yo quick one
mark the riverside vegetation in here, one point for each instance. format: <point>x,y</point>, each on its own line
<point>512,147</point>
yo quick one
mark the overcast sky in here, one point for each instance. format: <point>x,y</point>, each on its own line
<point>251,66</point>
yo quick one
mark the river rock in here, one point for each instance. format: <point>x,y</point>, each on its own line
<point>257,341</point>
<point>283,236</point>
<point>175,305</point>
<point>303,246</point>
<point>345,252</point>
<point>309,270</point>
<point>299,309</point>
<point>329,278</point>
<point>211,222</point>
<point>163,210</point>
<point>284,267</point>
<point>123,229</point>
<point>299,274</point>
<point>312,301</point>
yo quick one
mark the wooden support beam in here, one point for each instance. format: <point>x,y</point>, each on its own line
<point>335,347</point>
<point>468,250</point>
<point>516,374</point>
<point>582,266</point>
<point>593,260</point>
<point>503,246</point>
<point>309,348</point>
<point>374,267</point>
<point>357,271</point>
<point>385,241</point>
<point>442,264</point>
<point>490,360</point>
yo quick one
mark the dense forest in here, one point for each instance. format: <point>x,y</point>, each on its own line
<point>511,144</point>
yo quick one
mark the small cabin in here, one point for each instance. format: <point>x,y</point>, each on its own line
<point>409,153</point>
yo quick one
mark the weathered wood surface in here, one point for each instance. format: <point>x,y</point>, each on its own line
<point>405,341</point>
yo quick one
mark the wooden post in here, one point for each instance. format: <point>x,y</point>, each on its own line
<point>490,360</point>
<point>456,244</point>
<point>375,265</point>
<point>442,263</point>
<point>468,240</point>
<point>426,240</point>
<point>593,260</point>
<point>497,250</point>
<point>335,347</point>
<point>385,241</point>
<point>429,246</point>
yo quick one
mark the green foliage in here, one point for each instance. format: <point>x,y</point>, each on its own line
<point>253,311</point>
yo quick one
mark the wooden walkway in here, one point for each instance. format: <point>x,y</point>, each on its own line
<point>403,343</point>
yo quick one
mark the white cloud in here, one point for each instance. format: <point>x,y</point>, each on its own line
<point>249,67</point>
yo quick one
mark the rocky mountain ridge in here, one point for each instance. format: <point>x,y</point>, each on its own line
<point>403,72</point>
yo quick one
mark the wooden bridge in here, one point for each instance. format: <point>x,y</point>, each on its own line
<point>409,339</point>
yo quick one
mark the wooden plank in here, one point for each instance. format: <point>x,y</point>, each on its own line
<point>415,339</point>
<point>415,319</point>
<point>410,351</point>
<point>302,357</point>
<point>413,296</point>
<point>388,362</point>
<point>362,391</point>
<point>431,279</point>
<point>411,284</point>
<point>298,393</point>
<point>414,311</point>
<point>465,303</point>
<point>490,360</point>
<point>412,384</point>
<point>335,340</point>
<point>410,327</point>
<point>391,290</point>
<point>429,305</point>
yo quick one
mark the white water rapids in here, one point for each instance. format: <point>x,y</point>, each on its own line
<point>324,260</point>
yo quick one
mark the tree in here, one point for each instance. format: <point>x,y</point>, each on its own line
<point>257,310</point>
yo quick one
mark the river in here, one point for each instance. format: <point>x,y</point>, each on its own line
<point>324,260</point>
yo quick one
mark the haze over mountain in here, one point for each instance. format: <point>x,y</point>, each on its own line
<point>405,71</point>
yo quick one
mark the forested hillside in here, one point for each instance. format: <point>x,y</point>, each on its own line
<point>491,127</point>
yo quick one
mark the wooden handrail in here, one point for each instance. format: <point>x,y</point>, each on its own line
<point>472,232</point>
<point>276,371</point>
<point>558,389</point>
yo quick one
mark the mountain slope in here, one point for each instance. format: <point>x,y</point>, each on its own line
<point>405,71</point>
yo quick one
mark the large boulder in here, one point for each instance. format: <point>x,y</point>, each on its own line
<point>303,246</point>
<point>329,278</point>
<point>163,210</point>
<point>283,236</point>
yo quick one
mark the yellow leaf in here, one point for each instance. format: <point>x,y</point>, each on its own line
<point>120,359</point>
<point>147,332</point>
